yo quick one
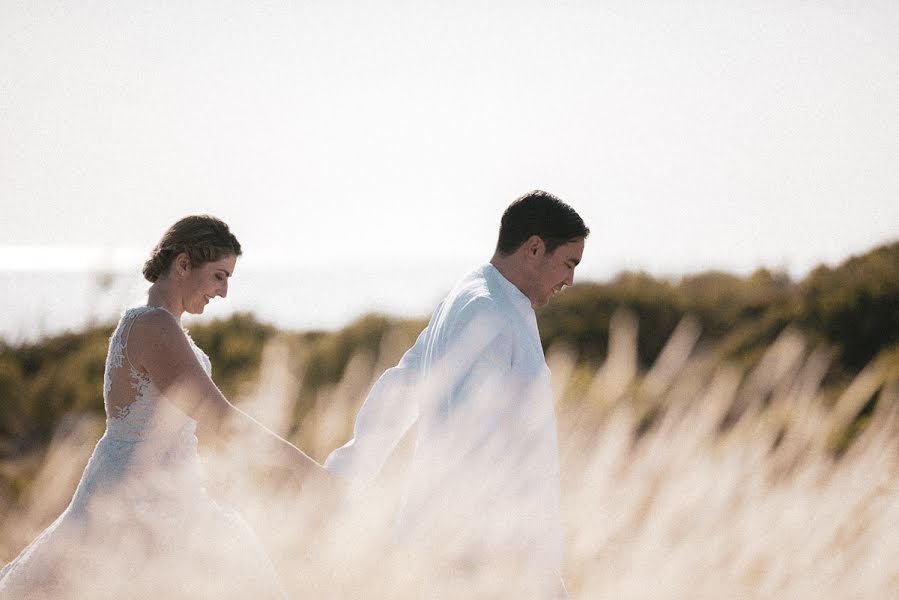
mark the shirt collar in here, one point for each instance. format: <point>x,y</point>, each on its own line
<point>511,291</point>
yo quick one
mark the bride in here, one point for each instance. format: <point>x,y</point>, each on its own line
<point>141,523</point>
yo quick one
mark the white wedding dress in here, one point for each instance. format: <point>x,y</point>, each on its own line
<point>140,524</point>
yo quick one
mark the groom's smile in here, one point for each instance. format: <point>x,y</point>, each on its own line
<point>557,271</point>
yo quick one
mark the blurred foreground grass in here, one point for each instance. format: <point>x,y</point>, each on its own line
<point>721,437</point>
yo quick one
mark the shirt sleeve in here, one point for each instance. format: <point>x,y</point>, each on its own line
<point>479,361</point>
<point>387,413</point>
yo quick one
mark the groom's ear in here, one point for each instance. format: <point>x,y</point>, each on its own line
<point>534,247</point>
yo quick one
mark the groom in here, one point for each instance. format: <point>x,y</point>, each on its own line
<point>483,496</point>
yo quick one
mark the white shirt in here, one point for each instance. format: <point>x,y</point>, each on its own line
<point>486,460</point>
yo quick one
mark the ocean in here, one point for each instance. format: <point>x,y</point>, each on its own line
<point>36,304</point>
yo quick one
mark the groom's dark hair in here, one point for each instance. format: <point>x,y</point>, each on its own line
<point>539,213</point>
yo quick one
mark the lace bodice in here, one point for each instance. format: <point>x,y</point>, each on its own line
<point>135,408</point>
<point>141,523</point>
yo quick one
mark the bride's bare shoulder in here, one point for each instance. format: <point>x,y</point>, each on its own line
<point>154,318</point>
<point>155,328</point>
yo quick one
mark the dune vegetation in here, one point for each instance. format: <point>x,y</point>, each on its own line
<point>721,436</point>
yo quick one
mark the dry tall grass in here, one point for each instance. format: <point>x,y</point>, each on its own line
<point>694,480</point>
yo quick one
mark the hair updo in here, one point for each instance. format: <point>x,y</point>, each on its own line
<point>203,238</point>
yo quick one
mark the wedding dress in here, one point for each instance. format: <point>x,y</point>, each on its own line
<point>141,524</point>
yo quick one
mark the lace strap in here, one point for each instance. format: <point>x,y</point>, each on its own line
<point>139,313</point>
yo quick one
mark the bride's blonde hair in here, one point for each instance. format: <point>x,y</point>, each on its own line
<point>203,238</point>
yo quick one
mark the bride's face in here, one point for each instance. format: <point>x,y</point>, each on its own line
<point>202,284</point>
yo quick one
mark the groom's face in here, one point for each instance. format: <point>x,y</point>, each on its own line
<point>555,270</point>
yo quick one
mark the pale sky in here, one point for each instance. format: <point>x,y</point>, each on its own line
<point>689,135</point>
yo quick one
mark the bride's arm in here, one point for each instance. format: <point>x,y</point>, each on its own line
<point>158,345</point>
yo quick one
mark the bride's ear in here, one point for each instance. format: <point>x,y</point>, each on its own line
<point>181,264</point>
